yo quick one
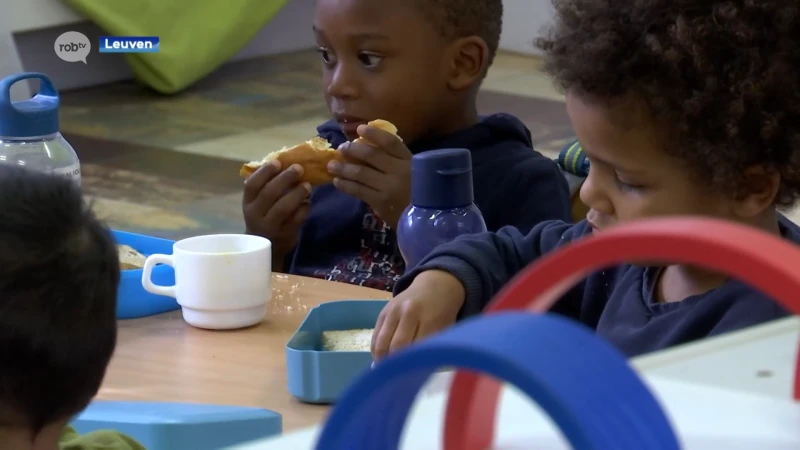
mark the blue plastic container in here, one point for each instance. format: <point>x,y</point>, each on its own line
<point>180,426</point>
<point>132,300</point>
<point>318,376</point>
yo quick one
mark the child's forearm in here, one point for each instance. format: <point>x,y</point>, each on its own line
<point>485,262</point>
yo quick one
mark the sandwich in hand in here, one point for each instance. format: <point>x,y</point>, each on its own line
<point>313,155</point>
<point>381,125</point>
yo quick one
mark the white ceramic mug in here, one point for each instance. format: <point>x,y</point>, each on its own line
<point>222,281</point>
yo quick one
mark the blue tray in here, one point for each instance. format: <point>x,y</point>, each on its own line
<point>318,376</point>
<point>180,426</point>
<point>132,300</point>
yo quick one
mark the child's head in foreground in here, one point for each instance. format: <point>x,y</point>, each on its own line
<point>59,272</point>
<point>683,107</point>
<point>415,63</point>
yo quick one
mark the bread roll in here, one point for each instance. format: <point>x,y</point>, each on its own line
<point>129,259</point>
<point>313,155</point>
<point>382,125</point>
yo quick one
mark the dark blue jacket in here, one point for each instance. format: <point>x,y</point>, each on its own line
<point>619,303</point>
<point>343,240</point>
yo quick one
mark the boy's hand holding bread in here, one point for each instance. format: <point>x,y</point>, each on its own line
<point>376,169</point>
<point>275,206</point>
<point>313,156</point>
<point>275,201</point>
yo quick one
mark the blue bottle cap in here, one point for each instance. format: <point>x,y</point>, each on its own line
<point>37,116</point>
<point>442,179</point>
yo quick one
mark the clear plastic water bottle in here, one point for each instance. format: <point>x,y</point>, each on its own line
<point>29,130</point>
<point>442,203</point>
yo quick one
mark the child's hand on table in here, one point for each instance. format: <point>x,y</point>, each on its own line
<point>377,171</point>
<point>430,304</point>
<point>275,206</point>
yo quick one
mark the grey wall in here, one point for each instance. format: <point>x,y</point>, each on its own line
<point>523,21</point>
<point>290,30</point>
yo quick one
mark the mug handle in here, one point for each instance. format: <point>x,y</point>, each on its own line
<point>147,272</point>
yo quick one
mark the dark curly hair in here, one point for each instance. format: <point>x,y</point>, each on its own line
<point>462,18</point>
<point>58,299</point>
<point>722,77</point>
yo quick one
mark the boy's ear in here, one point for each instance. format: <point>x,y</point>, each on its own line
<point>469,61</point>
<point>759,189</point>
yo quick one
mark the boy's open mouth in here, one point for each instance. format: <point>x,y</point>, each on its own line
<point>349,124</point>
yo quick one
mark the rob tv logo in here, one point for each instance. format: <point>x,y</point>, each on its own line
<point>129,44</point>
<point>73,47</point>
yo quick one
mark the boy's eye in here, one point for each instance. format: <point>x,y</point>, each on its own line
<point>327,56</point>
<point>628,187</point>
<point>370,60</point>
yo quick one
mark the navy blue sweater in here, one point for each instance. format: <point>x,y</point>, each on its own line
<point>343,240</point>
<point>619,303</point>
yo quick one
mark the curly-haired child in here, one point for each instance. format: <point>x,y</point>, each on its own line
<point>683,108</point>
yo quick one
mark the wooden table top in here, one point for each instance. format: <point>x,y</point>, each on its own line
<point>161,358</point>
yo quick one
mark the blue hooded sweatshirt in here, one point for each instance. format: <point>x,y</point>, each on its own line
<point>620,303</point>
<point>344,240</point>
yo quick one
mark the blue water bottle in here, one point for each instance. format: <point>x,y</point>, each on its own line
<point>29,130</point>
<point>442,205</point>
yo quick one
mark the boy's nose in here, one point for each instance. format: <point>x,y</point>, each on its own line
<point>341,84</point>
<point>593,195</point>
